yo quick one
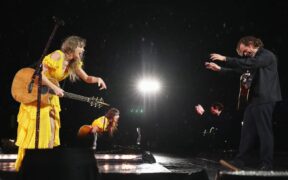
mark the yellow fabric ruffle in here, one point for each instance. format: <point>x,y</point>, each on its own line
<point>26,131</point>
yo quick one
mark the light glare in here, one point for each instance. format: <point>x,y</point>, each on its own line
<point>148,86</point>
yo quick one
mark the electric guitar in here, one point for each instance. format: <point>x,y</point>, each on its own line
<point>245,84</point>
<point>20,90</point>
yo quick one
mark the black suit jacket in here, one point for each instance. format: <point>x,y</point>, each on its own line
<point>265,86</point>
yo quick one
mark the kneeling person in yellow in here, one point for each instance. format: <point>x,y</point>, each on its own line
<point>102,125</point>
<point>107,123</point>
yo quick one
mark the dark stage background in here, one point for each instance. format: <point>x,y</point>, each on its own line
<point>129,39</point>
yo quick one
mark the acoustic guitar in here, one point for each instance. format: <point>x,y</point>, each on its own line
<point>20,90</point>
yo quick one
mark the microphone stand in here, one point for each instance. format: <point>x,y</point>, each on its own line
<point>38,73</point>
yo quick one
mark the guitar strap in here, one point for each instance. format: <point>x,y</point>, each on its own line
<point>104,123</point>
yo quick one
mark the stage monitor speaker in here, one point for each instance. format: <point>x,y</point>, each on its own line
<point>8,175</point>
<point>62,163</point>
<point>147,157</point>
<point>197,175</point>
<point>251,175</point>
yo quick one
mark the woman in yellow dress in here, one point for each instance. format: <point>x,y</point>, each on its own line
<point>57,65</point>
<point>107,123</point>
<point>103,124</point>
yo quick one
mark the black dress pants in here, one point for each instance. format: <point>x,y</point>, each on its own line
<point>257,125</point>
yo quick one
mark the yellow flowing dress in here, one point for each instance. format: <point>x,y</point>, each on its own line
<point>26,118</point>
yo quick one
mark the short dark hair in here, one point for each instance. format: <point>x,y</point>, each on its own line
<point>246,40</point>
<point>218,106</point>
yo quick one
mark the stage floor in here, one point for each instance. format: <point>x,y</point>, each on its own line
<point>164,163</point>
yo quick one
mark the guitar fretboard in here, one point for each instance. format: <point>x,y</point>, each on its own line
<point>93,101</point>
<point>76,97</point>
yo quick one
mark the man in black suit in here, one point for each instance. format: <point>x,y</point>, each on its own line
<point>264,91</point>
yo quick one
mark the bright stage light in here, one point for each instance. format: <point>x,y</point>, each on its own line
<point>149,86</point>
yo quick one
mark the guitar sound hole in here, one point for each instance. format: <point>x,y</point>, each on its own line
<point>44,89</point>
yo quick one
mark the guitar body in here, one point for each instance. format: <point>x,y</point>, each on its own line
<point>84,131</point>
<point>20,86</point>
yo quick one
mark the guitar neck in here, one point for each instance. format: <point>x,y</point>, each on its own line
<point>91,100</point>
<point>76,97</point>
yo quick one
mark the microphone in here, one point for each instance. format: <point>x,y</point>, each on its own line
<point>58,21</point>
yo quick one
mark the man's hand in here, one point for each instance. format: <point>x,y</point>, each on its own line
<point>212,66</point>
<point>217,57</point>
<point>199,109</point>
